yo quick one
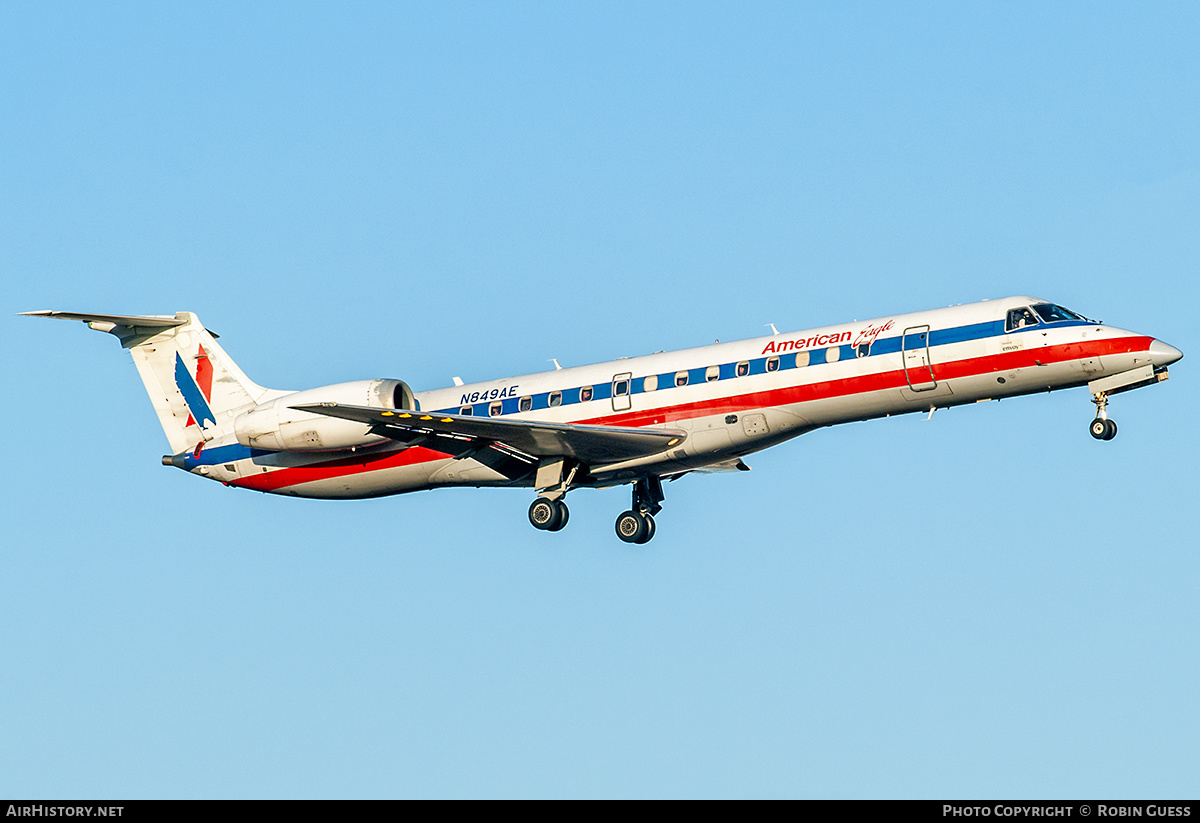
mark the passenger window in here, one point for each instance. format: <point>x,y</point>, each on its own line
<point>525,404</point>
<point>555,398</point>
<point>862,350</point>
<point>772,364</point>
<point>681,378</point>
<point>585,394</point>
<point>801,359</point>
<point>496,409</point>
<point>1019,319</point>
<point>713,374</point>
<point>743,368</point>
<point>650,383</point>
<point>467,411</point>
<point>620,388</point>
<point>832,354</point>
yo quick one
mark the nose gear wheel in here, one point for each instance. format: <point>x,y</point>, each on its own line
<point>1102,428</point>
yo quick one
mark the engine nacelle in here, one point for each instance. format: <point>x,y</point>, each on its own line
<point>276,426</point>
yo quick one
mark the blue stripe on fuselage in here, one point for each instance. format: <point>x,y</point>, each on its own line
<point>222,454</point>
<point>603,391</point>
<point>758,365</point>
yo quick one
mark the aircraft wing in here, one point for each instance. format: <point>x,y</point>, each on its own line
<point>590,445</point>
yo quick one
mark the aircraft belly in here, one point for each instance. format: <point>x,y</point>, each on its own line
<point>721,432</point>
<point>924,397</point>
<point>709,442</point>
<point>718,437</point>
<point>366,483</point>
<point>468,472</point>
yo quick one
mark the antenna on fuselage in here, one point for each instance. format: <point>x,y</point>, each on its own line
<point>554,360</point>
<point>457,380</point>
<point>771,326</point>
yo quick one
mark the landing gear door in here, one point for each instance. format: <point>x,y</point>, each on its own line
<point>918,367</point>
<point>622,388</point>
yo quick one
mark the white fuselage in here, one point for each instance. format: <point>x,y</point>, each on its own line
<point>730,398</point>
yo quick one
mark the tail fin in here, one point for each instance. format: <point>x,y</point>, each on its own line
<point>191,381</point>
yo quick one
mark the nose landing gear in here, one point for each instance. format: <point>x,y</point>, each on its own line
<point>637,524</point>
<point>1102,428</point>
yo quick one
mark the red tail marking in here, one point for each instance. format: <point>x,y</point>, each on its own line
<point>204,376</point>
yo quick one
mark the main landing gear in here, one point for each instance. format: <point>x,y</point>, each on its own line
<point>634,526</point>
<point>549,512</point>
<point>637,524</point>
<point>549,515</point>
<point>1102,428</point>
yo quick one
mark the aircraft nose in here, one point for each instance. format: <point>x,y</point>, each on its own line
<point>1163,355</point>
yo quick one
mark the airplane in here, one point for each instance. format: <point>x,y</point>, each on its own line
<point>632,421</point>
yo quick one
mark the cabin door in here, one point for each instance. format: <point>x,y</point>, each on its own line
<point>918,367</point>
<point>622,388</point>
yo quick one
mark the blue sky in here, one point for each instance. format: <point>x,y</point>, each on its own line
<point>986,604</point>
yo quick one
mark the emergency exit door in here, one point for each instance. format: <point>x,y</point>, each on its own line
<point>622,389</point>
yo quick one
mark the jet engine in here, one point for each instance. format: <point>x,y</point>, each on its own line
<point>276,426</point>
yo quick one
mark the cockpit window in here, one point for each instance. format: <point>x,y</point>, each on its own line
<point>1019,319</point>
<point>1051,313</point>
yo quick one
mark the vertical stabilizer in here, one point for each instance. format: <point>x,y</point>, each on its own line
<point>193,384</point>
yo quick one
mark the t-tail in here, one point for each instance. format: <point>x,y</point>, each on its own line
<point>191,381</point>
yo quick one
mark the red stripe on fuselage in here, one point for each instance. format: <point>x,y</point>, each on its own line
<point>880,381</point>
<point>295,475</point>
<point>841,387</point>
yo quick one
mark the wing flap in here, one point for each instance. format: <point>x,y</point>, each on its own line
<point>588,444</point>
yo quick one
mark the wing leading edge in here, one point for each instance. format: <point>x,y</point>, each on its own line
<point>591,445</point>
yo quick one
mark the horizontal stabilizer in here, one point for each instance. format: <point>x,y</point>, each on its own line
<point>588,444</point>
<point>191,381</point>
<point>152,321</point>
